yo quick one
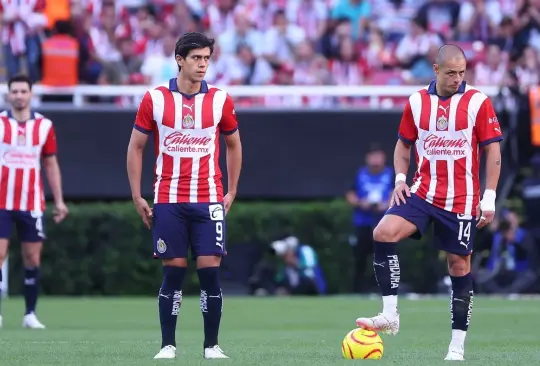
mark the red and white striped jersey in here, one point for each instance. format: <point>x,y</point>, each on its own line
<point>186,132</point>
<point>22,145</point>
<point>448,134</point>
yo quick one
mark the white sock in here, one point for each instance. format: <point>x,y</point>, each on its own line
<point>390,304</point>
<point>458,339</point>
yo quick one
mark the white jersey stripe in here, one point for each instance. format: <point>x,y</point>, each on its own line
<point>175,178</point>
<point>29,126</point>
<point>158,107</point>
<point>195,166</point>
<point>452,113</point>
<point>433,164</point>
<point>218,102</point>
<point>12,172</point>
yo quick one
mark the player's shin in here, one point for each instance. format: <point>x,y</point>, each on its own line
<point>169,301</point>
<point>211,304</point>
<point>461,303</point>
<point>31,289</point>
<point>387,272</point>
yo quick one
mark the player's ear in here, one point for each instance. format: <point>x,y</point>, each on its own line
<point>436,69</point>
<point>179,60</point>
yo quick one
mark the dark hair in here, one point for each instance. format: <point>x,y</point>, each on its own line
<point>504,226</point>
<point>375,147</point>
<point>192,41</point>
<point>20,78</point>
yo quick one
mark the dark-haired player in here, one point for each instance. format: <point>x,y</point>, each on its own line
<point>187,119</point>
<point>26,139</point>
<point>449,123</point>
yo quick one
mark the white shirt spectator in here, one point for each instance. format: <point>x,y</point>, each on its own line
<point>232,38</point>
<point>105,49</point>
<point>280,44</point>
<point>308,17</point>
<point>412,45</point>
<point>159,68</point>
<point>221,71</point>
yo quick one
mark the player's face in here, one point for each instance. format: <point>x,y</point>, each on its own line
<point>375,160</point>
<point>195,64</point>
<point>450,75</point>
<point>19,95</point>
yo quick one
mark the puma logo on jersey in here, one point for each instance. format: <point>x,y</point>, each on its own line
<point>444,109</point>
<point>190,107</point>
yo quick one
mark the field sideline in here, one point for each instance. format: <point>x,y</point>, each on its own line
<point>267,331</point>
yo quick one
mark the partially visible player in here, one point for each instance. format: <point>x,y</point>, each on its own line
<point>187,119</point>
<point>26,139</point>
<point>450,123</point>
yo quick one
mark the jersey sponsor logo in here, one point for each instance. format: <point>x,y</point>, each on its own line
<point>17,159</point>
<point>440,145</point>
<point>216,212</point>
<point>193,143</point>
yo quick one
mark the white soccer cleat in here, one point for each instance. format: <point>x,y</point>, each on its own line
<point>384,323</point>
<point>455,354</point>
<point>214,352</point>
<point>166,352</point>
<point>31,321</point>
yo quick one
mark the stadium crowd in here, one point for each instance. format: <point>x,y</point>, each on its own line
<point>262,42</point>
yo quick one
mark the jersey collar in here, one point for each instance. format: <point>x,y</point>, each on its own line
<point>173,86</point>
<point>433,90</point>
<point>32,116</point>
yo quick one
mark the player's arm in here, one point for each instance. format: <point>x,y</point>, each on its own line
<point>407,135</point>
<point>54,176</point>
<point>137,142</point>
<point>489,134</point>
<point>229,128</point>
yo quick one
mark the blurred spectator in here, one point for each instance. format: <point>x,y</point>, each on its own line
<point>337,31</point>
<point>310,15</point>
<point>348,68</point>
<point>126,70</point>
<point>241,34</point>
<point>103,37</point>
<point>528,25</point>
<point>262,12</point>
<point>369,195</point>
<point>220,16</point>
<point>440,16</point>
<point>512,264</point>
<point>221,71</point>
<point>161,66</point>
<point>527,69</point>
<point>61,57</point>
<point>479,19</point>
<point>530,190</point>
<point>493,70</point>
<point>299,273</point>
<point>357,11</point>
<point>281,39</point>
<point>22,27</point>
<point>250,69</point>
<point>504,35</point>
<point>392,17</point>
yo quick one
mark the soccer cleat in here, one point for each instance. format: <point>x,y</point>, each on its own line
<point>214,352</point>
<point>166,352</point>
<point>455,354</point>
<point>31,321</point>
<point>384,323</point>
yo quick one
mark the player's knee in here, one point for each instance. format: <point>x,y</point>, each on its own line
<point>31,260</point>
<point>384,233</point>
<point>458,266</point>
<point>209,280</point>
<point>173,278</point>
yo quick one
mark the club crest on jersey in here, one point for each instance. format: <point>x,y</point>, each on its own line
<point>442,123</point>
<point>188,121</point>
<point>161,246</point>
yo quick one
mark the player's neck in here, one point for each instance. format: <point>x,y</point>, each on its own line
<point>21,115</point>
<point>186,86</point>
<point>442,93</point>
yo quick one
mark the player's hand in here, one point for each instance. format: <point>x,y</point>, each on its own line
<point>398,195</point>
<point>144,211</point>
<point>228,201</point>
<point>484,218</point>
<point>60,212</point>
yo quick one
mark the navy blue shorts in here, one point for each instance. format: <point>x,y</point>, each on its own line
<point>453,233</point>
<point>29,225</point>
<point>176,227</point>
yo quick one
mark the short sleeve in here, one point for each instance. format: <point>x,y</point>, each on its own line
<point>145,115</point>
<point>487,125</point>
<point>408,132</point>
<point>228,124</point>
<point>49,147</point>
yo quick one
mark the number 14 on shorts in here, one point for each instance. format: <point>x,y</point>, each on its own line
<point>464,231</point>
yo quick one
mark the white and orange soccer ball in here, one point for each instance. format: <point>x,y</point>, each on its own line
<point>362,344</point>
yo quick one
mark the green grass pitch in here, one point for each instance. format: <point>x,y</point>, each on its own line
<point>266,331</point>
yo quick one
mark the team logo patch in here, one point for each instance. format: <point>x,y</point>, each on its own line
<point>188,121</point>
<point>442,123</point>
<point>216,212</point>
<point>161,246</point>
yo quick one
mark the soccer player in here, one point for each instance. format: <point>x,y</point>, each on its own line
<point>450,123</point>
<point>187,119</point>
<point>26,139</point>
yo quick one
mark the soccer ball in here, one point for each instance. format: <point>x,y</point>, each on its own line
<point>362,344</point>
